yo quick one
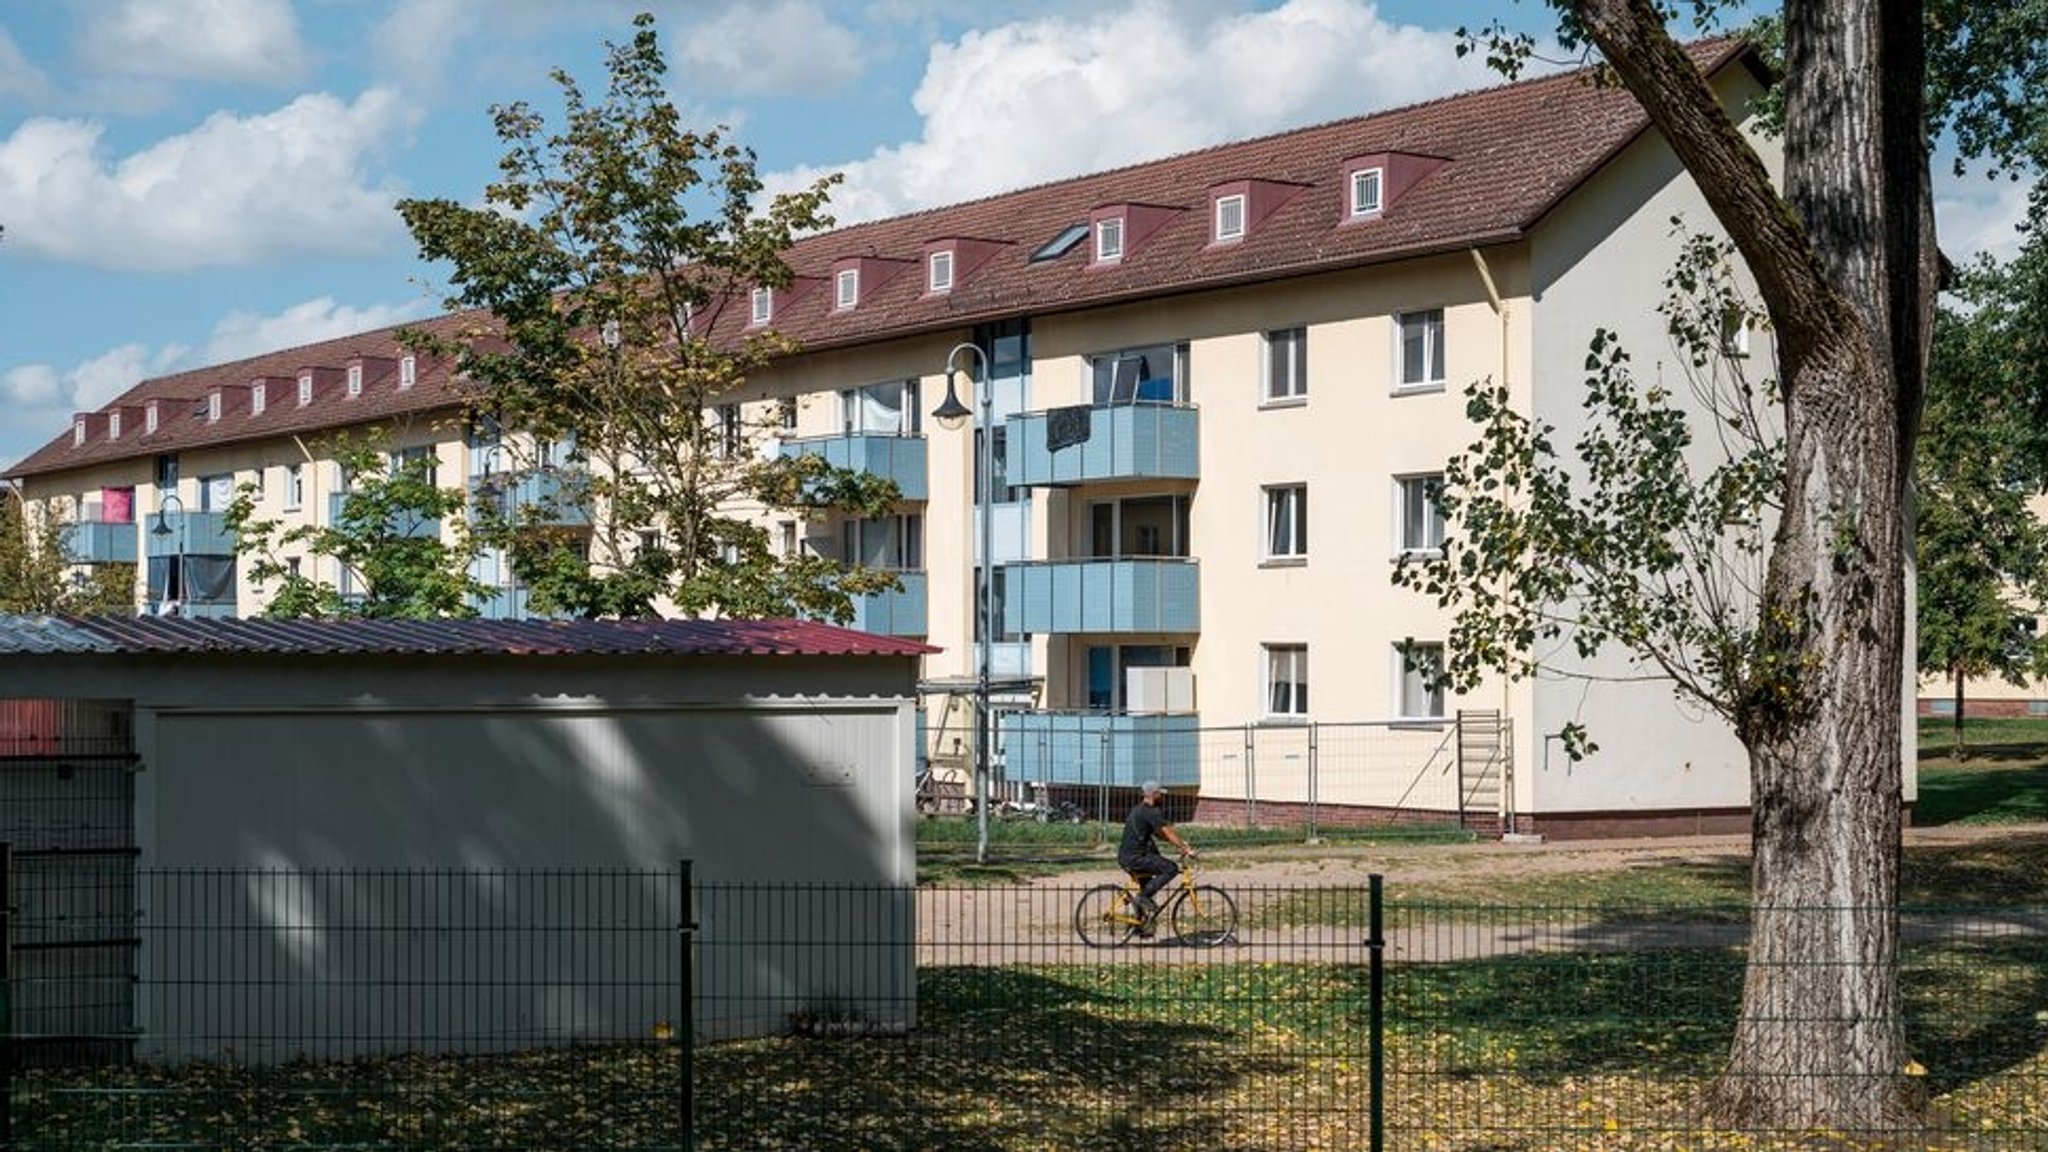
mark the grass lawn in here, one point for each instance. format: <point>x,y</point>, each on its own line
<point>1998,776</point>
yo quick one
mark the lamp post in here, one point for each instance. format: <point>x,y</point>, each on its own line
<point>487,487</point>
<point>162,527</point>
<point>951,414</point>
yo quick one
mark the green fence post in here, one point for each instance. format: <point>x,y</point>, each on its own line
<point>1375,1042</point>
<point>686,1028</point>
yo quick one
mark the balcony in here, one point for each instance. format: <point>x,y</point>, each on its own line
<point>898,458</point>
<point>191,533</point>
<point>1089,444</point>
<point>1101,749</point>
<point>514,603</point>
<point>101,541</point>
<point>1108,596</point>
<point>899,613</point>
<point>402,524</point>
<point>558,494</point>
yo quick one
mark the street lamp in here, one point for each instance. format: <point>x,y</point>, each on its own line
<point>951,415</point>
<point>162,527</point>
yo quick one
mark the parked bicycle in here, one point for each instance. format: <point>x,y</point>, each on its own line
<point>1201,915</point>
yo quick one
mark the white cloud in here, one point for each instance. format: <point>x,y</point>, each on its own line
<point>19,79</point>
<point>241,334</point>
<point>40,399</point>
<point>785,46</point>
<point>32,384</point>
<point>235,190</point>
<point>1051,97</point>
<point>212,40</point>
<point>1977,215</point>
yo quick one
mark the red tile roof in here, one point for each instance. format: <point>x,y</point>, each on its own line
<point>1510,153</point>
<point>54,635</point>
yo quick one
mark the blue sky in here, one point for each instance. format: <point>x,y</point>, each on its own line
<point>185,182</point>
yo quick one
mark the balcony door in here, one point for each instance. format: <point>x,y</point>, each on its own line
<point>1138,526</point>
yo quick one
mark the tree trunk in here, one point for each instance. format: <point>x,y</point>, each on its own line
<point>1846,275</point>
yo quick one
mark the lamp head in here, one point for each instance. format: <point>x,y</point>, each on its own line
<point>951,413</point>
<point>161,527</point>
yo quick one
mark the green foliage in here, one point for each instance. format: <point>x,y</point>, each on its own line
<point>387,536</point>
<point>601,260</point>
<point>1983,553</point>
<point>1649,535</point>
<point>38,573</point>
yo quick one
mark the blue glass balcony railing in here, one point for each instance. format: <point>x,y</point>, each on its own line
<point>102,541</point>
<point>1089,444</point>
<point>1109,749</point>
<point>1115,595</point>
<point>192,533</point>
<point>899,458</point>
<point>903,612</point>
<point>557,493</point>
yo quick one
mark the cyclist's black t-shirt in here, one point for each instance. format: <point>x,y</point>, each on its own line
<point>1144,823</point>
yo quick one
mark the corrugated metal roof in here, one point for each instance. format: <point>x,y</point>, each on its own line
<point>153,634</point>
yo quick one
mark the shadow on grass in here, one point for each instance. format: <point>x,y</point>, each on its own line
<point>1978,793</point>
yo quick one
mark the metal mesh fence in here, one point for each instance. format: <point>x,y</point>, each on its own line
<point>544,1010</point>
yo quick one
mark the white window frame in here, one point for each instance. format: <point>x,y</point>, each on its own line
<point>1293,660</point>
<point>1429,541</point>
<point>1433,354</point>
<point>149,418</point>
<point>213,407</point>
<point>1230,217</point>
<point>730,440</point>
<point>902,536</point>
<point>846,288</point>
<point>1286,511</point>
<point>1109,240</point>
<point>1368,191</point>
<point>259,398</point>
<point>408,372</point>
<point>853,409</point>
<point>761,306</point>
<point>355,379</point>
<point>1290,385</point>
<point>305,389</point>
<point>939,272</point>
<point>294,486</point>
<point>78,433</point>
<point>1409,685</point>
<point>114,424</point>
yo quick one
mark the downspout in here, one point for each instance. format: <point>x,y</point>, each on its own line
<point>1500,310</point>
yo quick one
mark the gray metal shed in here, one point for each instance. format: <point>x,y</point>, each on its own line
<point>302,752</point>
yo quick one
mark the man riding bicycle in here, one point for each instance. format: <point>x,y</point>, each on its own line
<point>1139,852</point>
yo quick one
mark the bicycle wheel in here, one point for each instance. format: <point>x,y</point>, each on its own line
<point>1104,918</point>
<point>1204,917</point>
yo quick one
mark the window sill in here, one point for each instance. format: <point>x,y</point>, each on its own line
<point>1417,555</point>
<point>1421,388</point>
<point>1283,402</point>
<point>1419,724</point>
<point>1289,721</point>
<point>1284,562</point>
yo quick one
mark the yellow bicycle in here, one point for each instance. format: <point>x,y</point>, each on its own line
<point>1201,915</point>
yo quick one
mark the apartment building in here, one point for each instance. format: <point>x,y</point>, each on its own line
<point>1180,361</point>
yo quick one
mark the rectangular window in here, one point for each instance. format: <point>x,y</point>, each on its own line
<point>847,288</point>
<point>1734,334</point>
<point>1229,217</point>
<point>939,272</point>
<point>785,413</point>
<point>114,424</point>
<point>408,372</point>
<point>892,542</point>
<point>1155,374</point>
<point>1287,522</point>
<point>167,471</point>
<point>1286,365</point>
<point>887,409</point>
<point>1422,695</point>
<point>77,433</point>
<point>762,302</point>
<point>786,532</point>
<point>294,487</point>
<point>1286,679</point>
<point>259,399</point>
<point>423,458</point>
<point>305,390</point>
<point>216,492</point>
<point>149,418</point>
<point>1422,347</point>
<point>1365,191</point>
<point>355,379</point>
<point>729,430</point>
<point>1109,240</point>
<point>213,407</point>
<point>1420,517</point>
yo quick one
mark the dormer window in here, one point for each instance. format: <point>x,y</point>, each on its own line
<point>1366,184</point>
<point>846,288</point>
<point>259,398</point>
<point>305,389</point>
<point>355,380</point>
<point>114,424</point>
<point>763,306</point>
<point>1109,240</point>
<point>939,272</point>
<point>213,407</point>
<point>149,418</point>
<point>1229,218</point>
<point>408,372</point>
<point>78,432</point>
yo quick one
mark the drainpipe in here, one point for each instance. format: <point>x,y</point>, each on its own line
<point>1500,309</point>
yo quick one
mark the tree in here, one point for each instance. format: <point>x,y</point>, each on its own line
<point>387,537</point>
<point>1983,554</point>
<point>1846,268</point>
<point>599,265</point>
<point>37,567</point>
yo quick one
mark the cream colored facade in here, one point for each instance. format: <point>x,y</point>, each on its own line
<point>1287,690</point>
